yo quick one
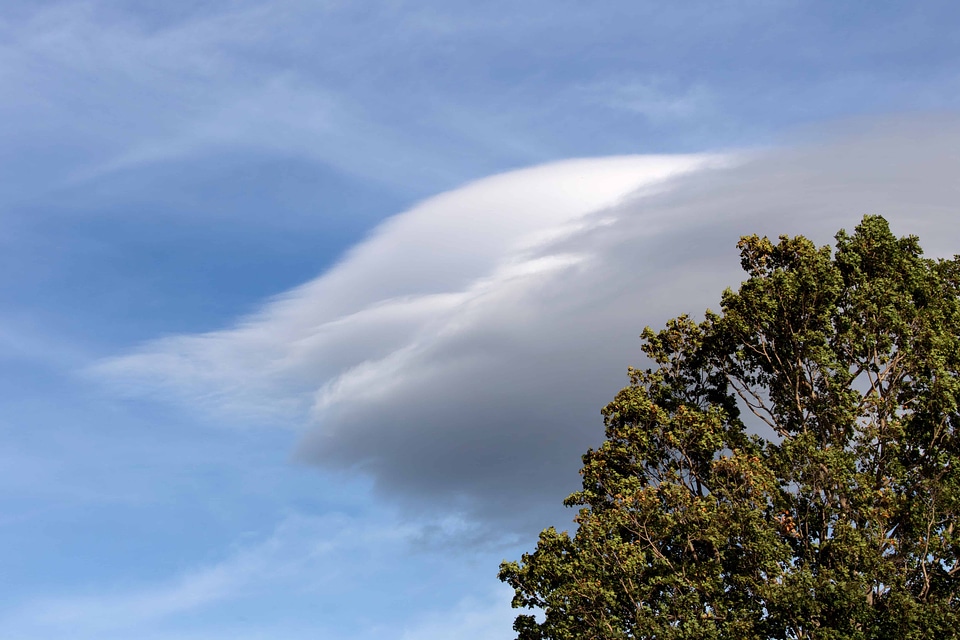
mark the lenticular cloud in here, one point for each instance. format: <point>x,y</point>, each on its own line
<point>400,288</point>
<point>426,303</point>
<point>460,354</point>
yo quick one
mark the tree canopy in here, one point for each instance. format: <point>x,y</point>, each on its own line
<point>787,468</point>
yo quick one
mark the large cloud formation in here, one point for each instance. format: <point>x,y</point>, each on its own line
<point>461,353</point>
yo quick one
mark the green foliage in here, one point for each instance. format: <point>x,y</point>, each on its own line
<point>838,521</point>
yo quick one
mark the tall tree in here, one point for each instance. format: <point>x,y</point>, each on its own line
<point>788,468</point>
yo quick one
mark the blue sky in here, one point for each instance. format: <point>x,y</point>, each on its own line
<point>279,359</point>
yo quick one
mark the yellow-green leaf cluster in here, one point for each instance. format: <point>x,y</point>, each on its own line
<point>789,468</point>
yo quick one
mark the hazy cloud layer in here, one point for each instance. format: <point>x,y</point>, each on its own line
<point>306,560</point>
<point>461,354</point>
<point>416,95</point>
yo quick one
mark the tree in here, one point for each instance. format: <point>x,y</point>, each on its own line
<point>788,468</point>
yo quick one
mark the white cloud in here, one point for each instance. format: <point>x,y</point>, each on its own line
<point>127,609</point>
<point>117,91</point>
<point>473,618</point>
<point>317,559</point>
<point>460,355</point>
<point>408,283</point>
<point>654,98</point>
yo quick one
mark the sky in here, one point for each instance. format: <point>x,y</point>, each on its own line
<point>308,309</point>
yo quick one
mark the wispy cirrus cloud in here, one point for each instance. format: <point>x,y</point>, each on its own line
<point>655,98</point>
<point>314,559</point>
<point>96,90</point>
<point>287,550</point>
<point>486,618</point>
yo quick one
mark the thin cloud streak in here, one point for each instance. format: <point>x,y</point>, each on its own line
<point>257,566</point>
<point>299,557</point>
<point>305,558</point>
<point>124,94</point>
<point>489,618</point>
<point>653,98</point>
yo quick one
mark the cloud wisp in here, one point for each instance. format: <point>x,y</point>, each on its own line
<point>315,559</point>
<point>460,355</point>
<point>296,543</point>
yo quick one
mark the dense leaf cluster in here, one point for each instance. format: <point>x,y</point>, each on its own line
<point>790,468</point>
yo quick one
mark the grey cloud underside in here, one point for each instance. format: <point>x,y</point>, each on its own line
<point>492,412</point>
<point>508,407</point>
